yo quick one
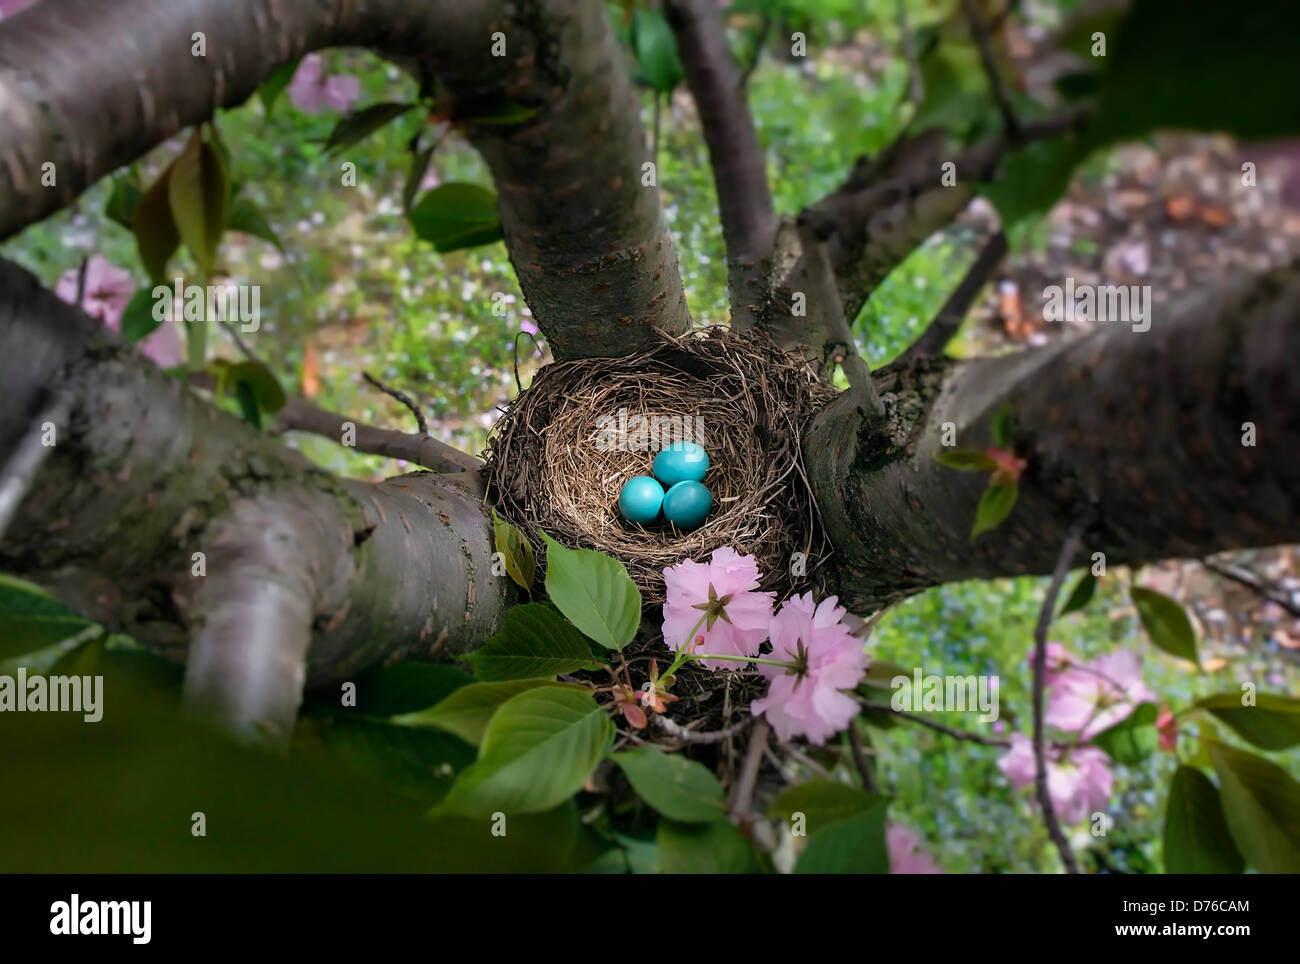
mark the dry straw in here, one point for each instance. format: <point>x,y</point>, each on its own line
<point>550,464</point>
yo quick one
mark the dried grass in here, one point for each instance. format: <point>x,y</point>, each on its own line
<point>548,469</point>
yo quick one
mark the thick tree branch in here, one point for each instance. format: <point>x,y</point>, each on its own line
<point>146,475</point>
<point>739,164</point>
<point>87,89</point>
<point>1145,427</point>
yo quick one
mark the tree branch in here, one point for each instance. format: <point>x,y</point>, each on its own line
<point>945,324</point>
<point>27,458</point>
<point>980,31</point>
<point>739,164</point>
<point>1045,615</point>
<point>420,423</point>
<point>1254,583</point>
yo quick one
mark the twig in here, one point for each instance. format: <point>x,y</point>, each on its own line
<point>743,792</point>
<point>983,41</point>
<point>402,397</point>
<point>800,757</point>
<point>28,457</point>
<point>298,415</point>
<point>860,759</point>
<point>736,156</point>
<point>81,284</point>
<point>1040,677</point>
<point>935,724</point>
<point>825,297</point>
<point>1253,582</point>
<point>243,346</point>
<point>941,329</point>
<point>685,735</point>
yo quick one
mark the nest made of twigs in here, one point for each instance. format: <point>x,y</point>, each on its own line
<point>561,452</point>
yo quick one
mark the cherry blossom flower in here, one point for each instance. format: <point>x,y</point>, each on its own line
<point>107,292</point>
<point>1091,697</point>
<point>905,853</point>
<point>311,91</point>
<point>1078,783</point>
<point>808,701</point>
<point>717,600</point>
<point>1167,727</point>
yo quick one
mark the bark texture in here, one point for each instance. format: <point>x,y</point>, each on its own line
<point>1140,433</point>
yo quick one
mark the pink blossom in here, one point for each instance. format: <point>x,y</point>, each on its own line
<point>1089,698</point>
<point>808,702</point>
<point>1059,659</point>
<point>905,853</point>
<point>722,592</point>
<point>1167,727</point>
<point>1078,783</point>
<point>529,326</point>
<point>311,91</point>
<point>107,292</point>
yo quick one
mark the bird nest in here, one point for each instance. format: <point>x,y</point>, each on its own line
<point>563,449</point>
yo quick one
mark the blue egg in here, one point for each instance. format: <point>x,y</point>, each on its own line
<point>687,504</point>
<point>681,462</point>
<point>640,499</point>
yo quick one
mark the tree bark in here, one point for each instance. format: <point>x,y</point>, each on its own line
<point>1141,433</point>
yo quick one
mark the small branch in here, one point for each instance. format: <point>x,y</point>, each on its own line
<point>825,297</point>
<point>935,725</point>
<point>983,40</point>
<point>743,792</point>
<point>402,397</point>
<point>81,284</point>
<point>945,324</point>
<point>1040,676</point>
<point>685,735</point>
<point>739,165</point>
<point>241,344</point>
<point>28,457</point>
<point>301,416</point>
<point>1253,582</point>
<point>860,759</point>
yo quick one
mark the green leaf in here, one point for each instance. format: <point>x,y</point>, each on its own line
<point>822,803</point>
<point>274,85</point>
<point>956,92</point>
<point>516,551</point>
<point>156,236</point>
<point>677,788</point>
<point>248,404</point>
<point>1196,839</point>
<point>1261,804</point>
<point>854,845</point>
<point>30,619</point>
<point>1133,739</point>
<point>656,50</point>
<point>995,505</point>
<point>197,191</point>
<point>535,641</point>
<point>1166,623</point>
<point>1081,595</point>
<point>421,764</point>
<point>1001,428</point>
<point>360,124</point>
<point>1272,723</point>
<point>263,385</point>
<point>138,321</point>
<point>123,202</point>
<point>467,711</point>
<point>455,216</point>
<point>420,160</point>
<point>594,592</point>
<point>704,848</point>
<point>539,749</point>
<point>494,111</point>
<point>245,216</point>
<point>967,460</point>
<point>403,688</point>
